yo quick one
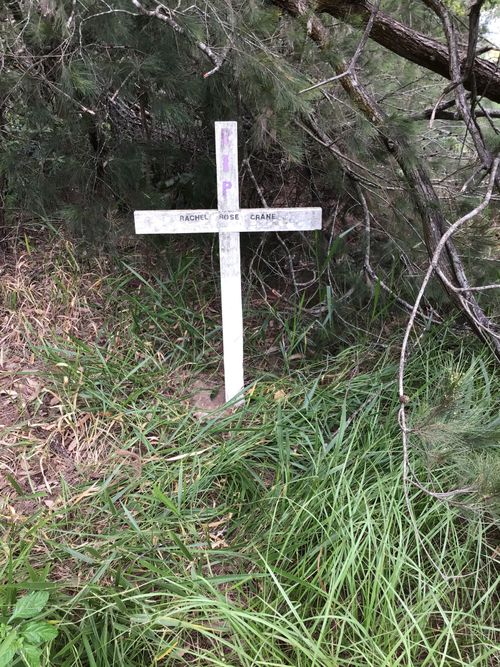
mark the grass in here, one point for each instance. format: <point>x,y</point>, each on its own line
<point>274,535</point>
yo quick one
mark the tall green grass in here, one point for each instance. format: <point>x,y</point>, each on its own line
<point>277,535</point>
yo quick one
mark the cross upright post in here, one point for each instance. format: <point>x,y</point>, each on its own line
<point>228,220</point>
<point>228,199</point>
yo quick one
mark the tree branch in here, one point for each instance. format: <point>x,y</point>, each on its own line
<point>357,53</point>
<point>442,114</point>
<point>465,109</point>
<point>433,266</point>
<point>404,41</point>
<point>474,16</point>
<point>421,189</point>
<point>164,14</point>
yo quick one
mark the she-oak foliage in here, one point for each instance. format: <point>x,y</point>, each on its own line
<point>106,107</point>
<point>103,111</point>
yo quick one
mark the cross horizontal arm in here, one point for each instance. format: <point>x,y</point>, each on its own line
<point>241,220</point>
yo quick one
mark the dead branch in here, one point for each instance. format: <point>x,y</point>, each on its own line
<point>433,266</point>
<point>166,15</point>
<point>357,53</point>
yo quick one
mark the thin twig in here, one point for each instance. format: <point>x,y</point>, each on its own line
<point>260,191</point>
<point>71,17</point>
<point>481,288</point>
<point>438,104</point>
<point>357,54</point>
<point>434,317</point>
<point>164,14</point>
<point>403,398</point>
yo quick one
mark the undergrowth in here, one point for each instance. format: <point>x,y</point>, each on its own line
<point>275,534</point>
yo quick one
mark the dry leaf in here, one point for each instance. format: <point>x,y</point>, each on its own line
<point>279,395</point>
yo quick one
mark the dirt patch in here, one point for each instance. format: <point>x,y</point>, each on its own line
<point>9,414</point>
<point>47,434</point>
<point>206,397</point>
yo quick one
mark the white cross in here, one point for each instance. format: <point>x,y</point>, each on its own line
<point>228,220</point>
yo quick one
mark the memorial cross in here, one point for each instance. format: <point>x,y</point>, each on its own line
<point>228,220</point>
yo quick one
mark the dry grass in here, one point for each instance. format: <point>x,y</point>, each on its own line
<point>46,297</point>
<point>56,307</point>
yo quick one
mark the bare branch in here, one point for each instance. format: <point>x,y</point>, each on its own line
<point>71,17</point>
<point>441,495</point>
<point>109,11</point>
<point>260,191</point>
<point>164,14</point>
<point>481,288</point>
<point>465,109</point>
<point>403,398</point>
<point>433,265</point>
<point>474,16</point>
<point>439,114</point>
<point>357,53</point>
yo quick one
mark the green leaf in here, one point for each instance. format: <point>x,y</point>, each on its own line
<point>182,547</point>
<point>37,632</point>
<point>32,655</point>
<point>159,495</point>
<point>30,605</point>
<point>79,556</point>
<point>8,648</point>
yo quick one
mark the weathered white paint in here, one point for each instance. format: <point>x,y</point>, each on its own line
<point>228,221</point>
<point>228,199</point>
<point>239,220</point>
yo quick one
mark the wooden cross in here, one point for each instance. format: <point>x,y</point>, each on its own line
<point>228,220</point>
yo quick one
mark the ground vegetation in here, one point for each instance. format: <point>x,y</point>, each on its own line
<point>348,514</point>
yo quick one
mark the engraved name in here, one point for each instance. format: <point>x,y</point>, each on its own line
<point>193,217</point>
<point>263,216</point>
<point>196,217</point>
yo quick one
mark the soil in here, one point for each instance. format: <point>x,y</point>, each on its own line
<point>206,397</point>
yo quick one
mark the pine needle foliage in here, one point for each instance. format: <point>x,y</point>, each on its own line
<point>111,91</point>
<point>459,430</point>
